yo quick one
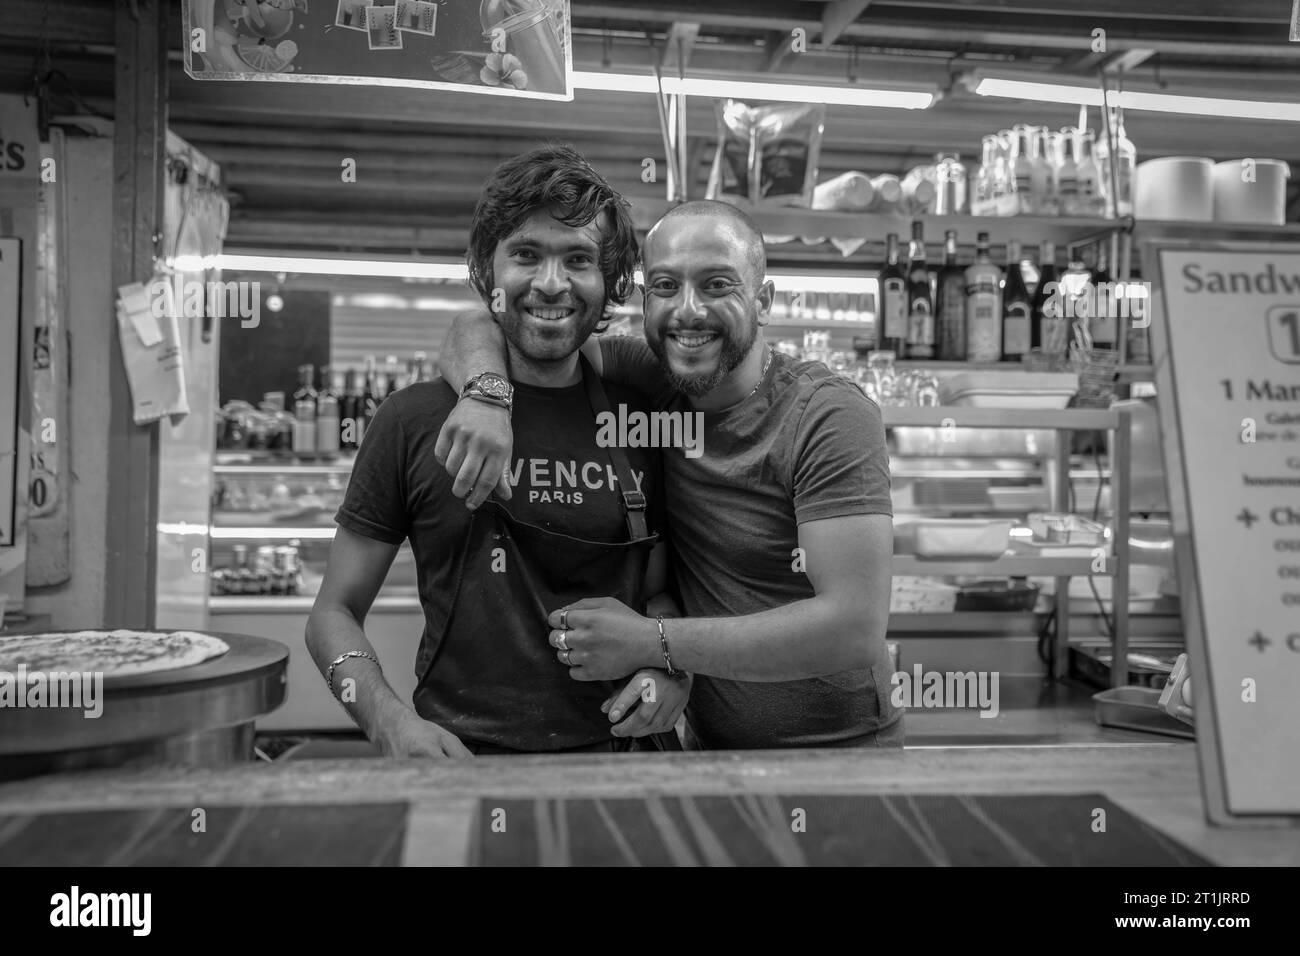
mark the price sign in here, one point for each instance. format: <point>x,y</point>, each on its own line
<point>10,280</point>
<point>1226,347</point>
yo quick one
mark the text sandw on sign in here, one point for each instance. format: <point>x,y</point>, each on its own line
<point>502,47</point>
<point>1226,347</point>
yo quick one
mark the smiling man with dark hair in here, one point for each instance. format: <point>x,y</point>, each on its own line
<point>551,250</point>
<point>781,530</point>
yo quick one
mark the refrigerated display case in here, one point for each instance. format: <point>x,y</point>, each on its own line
<point>280,513</point>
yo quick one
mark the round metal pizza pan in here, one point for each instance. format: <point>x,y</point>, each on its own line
<point>202,713</point>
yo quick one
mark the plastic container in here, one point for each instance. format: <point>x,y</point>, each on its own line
<point>997,596</point>
<point>1251,193</point>
<point>993,389</point>
<point>1176,187</point>
<point>955,538</point>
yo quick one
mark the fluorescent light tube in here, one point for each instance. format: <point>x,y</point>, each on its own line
<point>346,267</point>
<point>754,90</point>
<point>1043,92</point>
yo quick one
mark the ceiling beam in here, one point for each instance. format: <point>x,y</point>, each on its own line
<point>837,16</point>
<point>1127,60</point>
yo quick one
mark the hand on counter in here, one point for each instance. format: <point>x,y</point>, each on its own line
<point>659,700</point>
<point>410,735</point>
<point>605,639</point>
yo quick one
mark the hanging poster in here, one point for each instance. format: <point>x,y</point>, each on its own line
<point>503,47</point>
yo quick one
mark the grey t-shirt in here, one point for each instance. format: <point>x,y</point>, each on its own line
<point>807,445</point>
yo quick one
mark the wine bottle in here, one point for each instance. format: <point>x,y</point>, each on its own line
<point>1103,321</point>
<point>1016,308</point>
<point>983,306</point>
<point>951,307</point>
<point>893,301</point>
<point>352,412</point>
<point>1050,330</point>
<point>920,298</point>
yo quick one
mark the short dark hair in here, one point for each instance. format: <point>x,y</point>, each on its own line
<point>746,229</point>
<point>556,177</point>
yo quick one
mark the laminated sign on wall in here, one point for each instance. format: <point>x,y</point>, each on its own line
<point>10,274</point>
<point>504,47</point>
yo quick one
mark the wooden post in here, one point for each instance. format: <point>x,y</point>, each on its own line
<point>139,154</point>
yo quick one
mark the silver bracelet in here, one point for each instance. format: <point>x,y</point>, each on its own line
<point>329,674</point>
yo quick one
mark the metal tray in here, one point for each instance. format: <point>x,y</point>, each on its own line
<point>1138,708</point>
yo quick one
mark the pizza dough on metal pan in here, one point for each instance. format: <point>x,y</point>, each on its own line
<point>112,653</point>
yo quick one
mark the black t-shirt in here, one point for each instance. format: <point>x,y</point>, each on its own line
<point>561,479</point>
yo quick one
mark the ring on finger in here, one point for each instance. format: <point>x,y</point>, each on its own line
<point>564,619</point>
<point>559,642</point>
<point>565,654</point>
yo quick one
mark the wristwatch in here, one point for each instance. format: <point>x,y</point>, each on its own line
<point>491,388</point>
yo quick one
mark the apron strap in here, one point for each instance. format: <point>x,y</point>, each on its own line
<point>633,500</point>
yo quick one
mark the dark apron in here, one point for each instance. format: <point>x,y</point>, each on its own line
<point>491,676</point>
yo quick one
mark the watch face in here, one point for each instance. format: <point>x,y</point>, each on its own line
<point>494,386</point>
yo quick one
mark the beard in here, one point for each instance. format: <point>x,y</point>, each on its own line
<point>731,354</point>
<point>546,341</point>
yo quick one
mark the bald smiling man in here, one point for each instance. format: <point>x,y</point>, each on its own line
<point>781,530</point>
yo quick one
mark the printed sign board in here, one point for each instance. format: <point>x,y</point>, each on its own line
<point>1226,348</point>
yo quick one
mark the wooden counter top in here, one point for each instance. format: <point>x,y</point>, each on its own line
<point>1158,783</point>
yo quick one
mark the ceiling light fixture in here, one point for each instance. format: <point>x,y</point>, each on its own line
<point>1054,91</point>
<point>907,99</point>
<point>405,269</point>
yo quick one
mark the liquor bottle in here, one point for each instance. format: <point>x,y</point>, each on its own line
<point>920,298</point>
<point>419,368</point>
<point>893,301</point>
<point>305,389</point>
<point>352,411</point>
<point>1022,159</point>
<point>1092,191</point>
<point>373,394</point>
<point>1042,174</point>
<point>304,414</point>
<point>950,310</point>
<point>1008,196</point>
<point>1103,320</point>
<point>1122,203</point>
<point>327,415</point>
<point>1017,307</point>
<point>984,200</point>
<point>983,306</point>
<point>393,374</point>
<point>1050,330</point>
<point>1067,173</point>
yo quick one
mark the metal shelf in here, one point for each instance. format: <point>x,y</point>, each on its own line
<point>341,467</point>
<point>301,604</point>
<point>1009,565</point>
<point>827,224</point>
<point>961,416</point>
<point>245,533</point>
